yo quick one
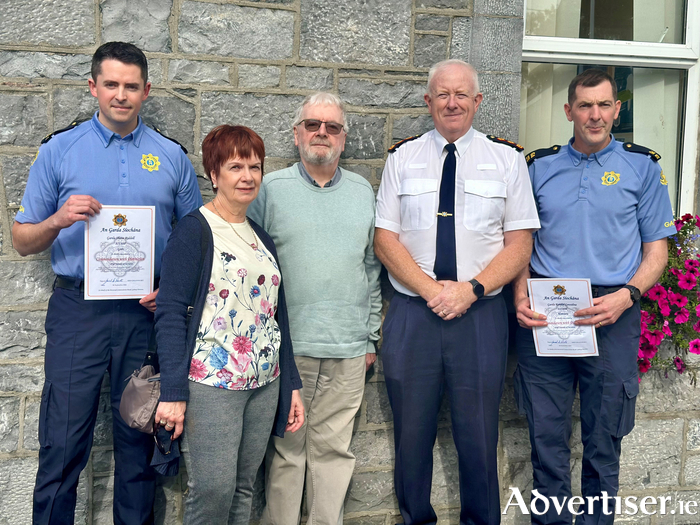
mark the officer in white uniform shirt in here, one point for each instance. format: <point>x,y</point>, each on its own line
<point>455,216</point>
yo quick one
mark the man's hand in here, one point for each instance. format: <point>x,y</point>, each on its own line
<point>453,301</point>
<point>149,301</point>
<point>76,208</point>
<point>171,415</point>
<point>528,318</point>
<point>370,359</point>
<point>606,310</point>
<point>295,419</point>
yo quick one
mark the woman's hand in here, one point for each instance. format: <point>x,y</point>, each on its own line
<point>172,415</point>
<point>296,413</point>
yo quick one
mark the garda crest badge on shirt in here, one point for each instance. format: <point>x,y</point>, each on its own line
<point>610,178</point>
<point>149,162</point>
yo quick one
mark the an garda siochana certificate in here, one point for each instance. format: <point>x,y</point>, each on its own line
<point>119,248</point>
<point>558,299</point>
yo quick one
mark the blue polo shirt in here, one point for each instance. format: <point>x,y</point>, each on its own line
<point>596,211</point>
<point>143,168</point>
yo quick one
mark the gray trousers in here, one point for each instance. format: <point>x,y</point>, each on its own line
<point>224,442</point>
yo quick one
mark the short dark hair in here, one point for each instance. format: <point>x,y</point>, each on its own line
<point>225,142</point>
<point>122,51</point>
<point>591,78</point>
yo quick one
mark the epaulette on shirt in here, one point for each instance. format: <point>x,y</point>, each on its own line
<point>401,143</point>
<point>636,148</point>
<point>52,135</point>
<point>539,153</point>
<point>169,138</point>
<point>507,142</point>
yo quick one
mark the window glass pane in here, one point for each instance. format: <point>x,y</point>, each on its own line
<point>650,114</point>
<point>634,20</point>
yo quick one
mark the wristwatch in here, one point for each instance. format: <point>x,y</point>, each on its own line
<point>635,294</point>
<point>479,288</point>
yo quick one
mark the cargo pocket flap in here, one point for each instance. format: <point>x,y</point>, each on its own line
<point>631,386</point>
<point>485,188</point>
<point>417,186</point>
<point>630,389</point>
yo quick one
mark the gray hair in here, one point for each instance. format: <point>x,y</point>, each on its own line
<point>321,98</point>
<point>440,66</point>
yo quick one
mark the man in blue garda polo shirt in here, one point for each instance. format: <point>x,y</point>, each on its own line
<point>112,159</point>
<point>605,215</point>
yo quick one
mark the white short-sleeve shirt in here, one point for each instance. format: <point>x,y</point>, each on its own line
<point>493,195</point>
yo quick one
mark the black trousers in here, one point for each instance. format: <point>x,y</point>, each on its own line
<point>422,355</point>
<point>85,339</point>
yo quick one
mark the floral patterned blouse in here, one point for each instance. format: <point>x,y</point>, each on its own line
<point>238,340</point>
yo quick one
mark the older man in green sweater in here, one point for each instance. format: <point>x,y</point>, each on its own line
<point>321,218</point>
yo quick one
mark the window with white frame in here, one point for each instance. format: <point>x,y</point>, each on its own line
<point>650,47</point>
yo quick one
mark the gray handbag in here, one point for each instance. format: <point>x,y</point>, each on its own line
<point>140,397</point>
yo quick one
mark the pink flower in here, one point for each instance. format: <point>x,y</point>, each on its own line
<point>241,362</point>
<point>198,370</point>
<point>656,292</point>
<point>644,365</point>
<point>223,293</point>
<point>680,365</point>
<point>679,224</point>
<point>678,299</point>
<point>257,320</point>
<point>242,272</point>
<point>696,327</point>
<point>654,337</point>
<point>664,307</point>
<point>261,280</point>
<point>682,316</point>
<point>242,344</point>
<point>647,317</point>
<point>697,310</point>
<point>266,307</point>
<point>687,217</point>
<point>212,287</point>
<point>694,347</point>
<point>647,351</point>
<point>687,281</point>
<point>667,330</point>
<point>219,324</point>
<point>224,375</point>
<point>275,280</point>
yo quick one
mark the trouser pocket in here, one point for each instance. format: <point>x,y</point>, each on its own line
<point>45,433</point>
<point>630,389</point>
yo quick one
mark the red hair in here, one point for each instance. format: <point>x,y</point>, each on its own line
<point>226,142</point>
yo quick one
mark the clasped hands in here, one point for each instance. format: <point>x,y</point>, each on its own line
<point>606,310</point>
<point>453,299</point>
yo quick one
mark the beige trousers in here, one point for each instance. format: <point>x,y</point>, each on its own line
<point>320,449</point>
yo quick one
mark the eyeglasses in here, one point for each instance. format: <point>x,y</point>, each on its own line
<point>333,128</point>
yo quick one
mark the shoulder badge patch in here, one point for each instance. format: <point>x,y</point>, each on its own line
<point>539,153</point>
<point>52,135</point>
<point>507,142</point>
<point>169,138</point>
<point>402,142</point>
<point>663,180</point>
<point>636,148</point>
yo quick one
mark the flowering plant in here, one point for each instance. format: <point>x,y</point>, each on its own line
<point>670,308</point>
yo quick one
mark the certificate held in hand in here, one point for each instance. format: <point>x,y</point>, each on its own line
<point>119,248</point>
<point>558,299</point>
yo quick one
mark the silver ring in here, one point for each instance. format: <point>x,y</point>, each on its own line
<point>169,425</point>
<point>163,422</point>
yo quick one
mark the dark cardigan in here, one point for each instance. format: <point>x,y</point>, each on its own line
<point>180,277</point>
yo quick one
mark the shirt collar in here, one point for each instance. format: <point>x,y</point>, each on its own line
<point>462,143</point>
<point>106,135</point>
<point>308,178</point>
<point>599,156</point>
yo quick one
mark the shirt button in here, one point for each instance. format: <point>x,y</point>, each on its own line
<point>585,178</point>
<point>121,147</point>
<point>123,161</point>
<point>583,191</point>
<point>124,175</point>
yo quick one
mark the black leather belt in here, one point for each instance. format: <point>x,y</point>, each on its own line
<point>597,290</point>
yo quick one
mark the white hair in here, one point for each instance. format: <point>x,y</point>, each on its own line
<point>440,66</point>
<point>321,98</point>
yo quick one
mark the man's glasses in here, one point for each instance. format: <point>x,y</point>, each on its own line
<point>312,125</point>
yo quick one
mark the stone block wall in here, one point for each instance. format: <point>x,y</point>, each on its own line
<point>252,62</point>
